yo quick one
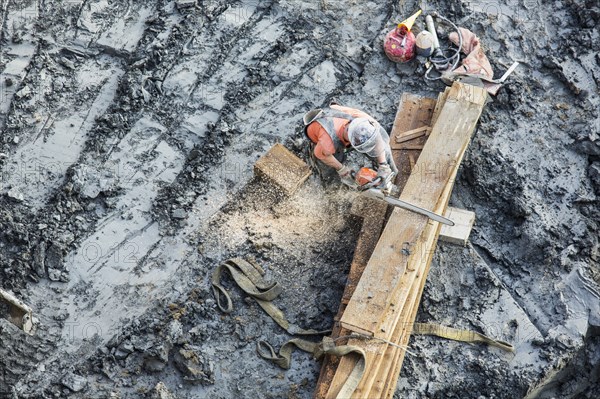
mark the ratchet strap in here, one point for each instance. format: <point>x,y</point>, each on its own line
<point>459,335</point>
<point>248,275</point>
<point>318,350</point>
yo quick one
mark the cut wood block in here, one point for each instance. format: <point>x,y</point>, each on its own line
<point>459,233</point>
<point>15,311</point>
<point>282,168</point>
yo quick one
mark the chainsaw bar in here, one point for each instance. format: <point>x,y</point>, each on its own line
<point>377,193</point>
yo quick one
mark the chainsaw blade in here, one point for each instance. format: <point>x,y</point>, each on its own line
<point>377,193</point>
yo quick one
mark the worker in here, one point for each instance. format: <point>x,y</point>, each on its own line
<point>337,129</point>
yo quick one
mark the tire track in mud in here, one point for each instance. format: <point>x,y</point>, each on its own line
<point>59,309</point>
<point>253,89</point>
<point>100,147</point>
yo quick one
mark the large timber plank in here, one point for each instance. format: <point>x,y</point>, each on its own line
<point>376,295</point>
<point>372,212</point>
<point>412,111</point>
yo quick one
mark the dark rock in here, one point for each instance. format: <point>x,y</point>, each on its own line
<point>156,358</point>
<point>54,258</point>
<point>594,174</point>
<point>39,259</point>
<point>178,213</point>
<point>75,383</point>
<point>195,366</point>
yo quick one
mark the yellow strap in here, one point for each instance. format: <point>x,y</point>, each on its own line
<point>326,347</point>
<point>249,277</point>
<point>459,335</point>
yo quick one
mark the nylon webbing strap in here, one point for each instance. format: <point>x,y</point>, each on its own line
<point>318,350</point>
<point>249,277</point>
<point>459,335</point>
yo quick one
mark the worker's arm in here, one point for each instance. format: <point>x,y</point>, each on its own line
<point>346,174</point>
<point>330,160</point>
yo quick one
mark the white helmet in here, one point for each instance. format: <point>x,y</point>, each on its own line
<point>363,134</point>
<point>311,115</point>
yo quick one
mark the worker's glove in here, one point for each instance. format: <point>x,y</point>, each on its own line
<point>347,176</point>
<point>385,173</point>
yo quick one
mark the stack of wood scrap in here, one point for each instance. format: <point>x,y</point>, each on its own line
<point>385,300</point>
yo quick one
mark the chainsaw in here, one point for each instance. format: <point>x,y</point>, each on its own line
<point>375,187</point>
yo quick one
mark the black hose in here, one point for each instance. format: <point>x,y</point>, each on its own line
<point>438,60</point>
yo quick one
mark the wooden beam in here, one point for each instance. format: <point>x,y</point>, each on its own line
<point>376,296</point>
<point>282,168</point>
<point>408,316</point>
<point>460,232</point>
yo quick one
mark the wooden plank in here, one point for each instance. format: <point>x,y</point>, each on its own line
<point>405,324</point>
<point>389,362</point>
<point>376,296</point>
<point>404,146</point>
<point>282,168</point>
<point>372,212</point>
<point>441,100</point>
<point>414,111</point>
<point>460,232</point>
<point>378,372</point>
<point>391,380</point>
<point>412,134</point>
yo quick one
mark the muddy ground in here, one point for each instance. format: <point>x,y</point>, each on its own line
<point>129,131</point>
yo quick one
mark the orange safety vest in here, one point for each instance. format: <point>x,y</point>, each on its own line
<point>327,131</point>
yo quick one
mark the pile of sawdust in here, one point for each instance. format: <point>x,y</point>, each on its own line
<point>310,217</point>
